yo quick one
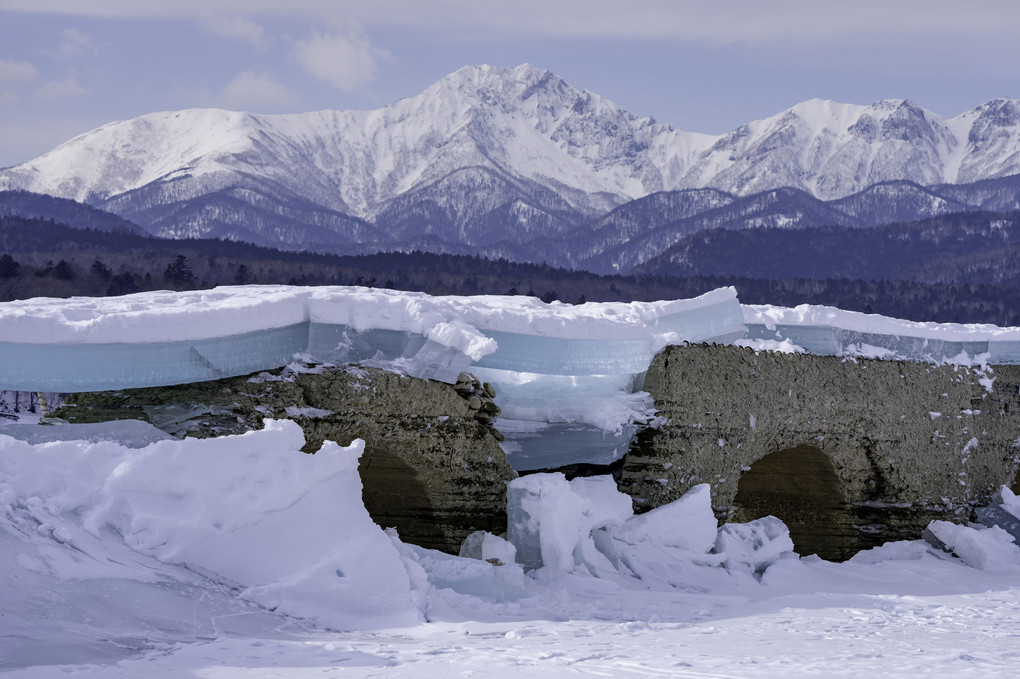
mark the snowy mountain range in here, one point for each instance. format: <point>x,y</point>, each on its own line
<point>515,162</point>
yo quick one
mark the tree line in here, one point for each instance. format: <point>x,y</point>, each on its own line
<point>39,258</point>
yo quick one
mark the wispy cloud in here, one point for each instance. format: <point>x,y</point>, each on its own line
<point>74,43</point>
<point>236,28</point>
<point>17,71</point>
<point>346,61</point>
<point>61,89</point>
<point>250,91</point>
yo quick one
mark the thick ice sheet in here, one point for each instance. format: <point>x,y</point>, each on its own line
<point>828,331</point>
<point>160,338</point>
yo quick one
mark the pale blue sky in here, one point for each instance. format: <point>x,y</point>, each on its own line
<point>67,66</point>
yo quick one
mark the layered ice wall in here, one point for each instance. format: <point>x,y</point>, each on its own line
<point>148,339</point>
<point>827,331</point>
<point>161,338</point>
<point>568,378</point>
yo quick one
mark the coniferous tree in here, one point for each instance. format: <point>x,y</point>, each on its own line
<point>243,276</point>
<point>9,268</point>
<point>122,284</point>
<point>179,272</point>
<point>63,271</point>
<point>100,270</point>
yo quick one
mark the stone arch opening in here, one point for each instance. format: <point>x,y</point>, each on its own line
<point>1015,486</point>
<point>799,486</point>
<point>395,496</point>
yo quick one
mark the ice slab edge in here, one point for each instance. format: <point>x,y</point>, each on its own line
<point>828,331</point>
<point>428,337</point>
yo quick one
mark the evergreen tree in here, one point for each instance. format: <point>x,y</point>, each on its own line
<point>9,268</point>
<point>122,284</point>
<point>179,272</point>
<point>100,270</point>
<point>243,276</point>
<point>63,271</point>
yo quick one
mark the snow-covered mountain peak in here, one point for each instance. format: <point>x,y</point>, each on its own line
<point>523,92</point>
<point>825,114</point>
<point>995,114</point>
<point>123,155</point>
<point>558,148</point>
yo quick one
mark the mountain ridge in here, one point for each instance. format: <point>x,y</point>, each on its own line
<point>499,158</point>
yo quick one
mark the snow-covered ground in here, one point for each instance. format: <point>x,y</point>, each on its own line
<point>126,553</point>
<point>241,556</point>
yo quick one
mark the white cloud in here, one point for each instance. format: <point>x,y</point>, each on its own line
<point>74,44</point>
<point>237,28</point>
<point>61,89</point>
<point>251,91</point>
<point>17,71</point>
<point>347,62</point>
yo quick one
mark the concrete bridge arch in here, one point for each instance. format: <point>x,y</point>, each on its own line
<point>907,442</point>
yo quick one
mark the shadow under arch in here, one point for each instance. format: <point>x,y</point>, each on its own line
<point>799,486</point>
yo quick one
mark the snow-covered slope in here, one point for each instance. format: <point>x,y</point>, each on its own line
<point>515,150</point>
<point>522,122</point>
<point>830,149</point>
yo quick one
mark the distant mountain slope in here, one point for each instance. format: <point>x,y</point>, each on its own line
<point>516,160</point>
<point>63,211</point>
<point>978,247</point>
<point>779,208</point>
<point>881,204</point>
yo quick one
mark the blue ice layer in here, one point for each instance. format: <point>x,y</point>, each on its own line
<point>552,446</point>
<point>342,344</point>
<point>420,357</point>
<point>99,367</point>
<point>830,341</point>
<point>722,322</point>
<point>557,356</point>
<point>1004,353</point>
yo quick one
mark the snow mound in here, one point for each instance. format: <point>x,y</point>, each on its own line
<point>251,511</point>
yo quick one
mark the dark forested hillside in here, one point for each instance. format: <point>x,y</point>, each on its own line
<point>42,258</point>
<point>977,247</point>
<point>63,211</point>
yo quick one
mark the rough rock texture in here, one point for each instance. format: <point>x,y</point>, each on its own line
<point>431,468</point>
<point>848,452</point>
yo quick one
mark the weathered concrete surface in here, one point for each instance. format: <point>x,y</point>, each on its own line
<point>431,468</point>
<point>907,442</point>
